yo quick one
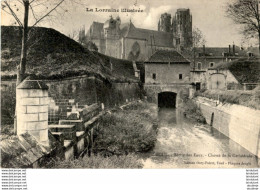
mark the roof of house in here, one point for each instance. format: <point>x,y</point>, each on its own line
<point>32,82</point>
<point>164,56</point>
<point>254,50</point>
<point>244,70</point>
<point>215,52</point>
<point>218,51</point>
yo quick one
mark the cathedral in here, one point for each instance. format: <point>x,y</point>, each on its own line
<point>125,41</point>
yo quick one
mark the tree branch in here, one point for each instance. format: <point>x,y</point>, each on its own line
<point>33,12</point>
<point>48,13</point>
<point>13,14</point>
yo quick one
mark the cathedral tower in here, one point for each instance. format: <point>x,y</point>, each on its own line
<point>182,28</point>
<point>164,24</point>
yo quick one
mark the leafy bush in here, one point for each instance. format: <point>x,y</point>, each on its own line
<point>192,111</point>
<point>7,106</point>
<point>126,131</point>
<point>246,98</point>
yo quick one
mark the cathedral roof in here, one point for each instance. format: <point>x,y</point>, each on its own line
<point>128,30</point>
<point>156,38</point>
<point>164,56</point>
<point>97,29</point>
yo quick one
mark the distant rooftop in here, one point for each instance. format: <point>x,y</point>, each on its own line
<point>244,70</point>
<point>164,56</point>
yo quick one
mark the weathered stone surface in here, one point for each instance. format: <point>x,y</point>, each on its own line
<point>29,101</point>
<point>28,117</point>
<point>239,123</point>
<point>36,109</point>
<point>62,128</point>
<point>77,123</point>
<point>69,131</point>
<point>22,151</point>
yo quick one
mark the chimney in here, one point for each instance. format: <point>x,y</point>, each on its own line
<point>234,49</point>
<point>229,50</point>
<point>204,50</point>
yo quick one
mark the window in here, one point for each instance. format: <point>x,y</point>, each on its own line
<point>180,76</point>
<point>199,66</point>
<point>178,41</point>
<point>211,64</point>
<point>154,76</point>
<point>197,86</point>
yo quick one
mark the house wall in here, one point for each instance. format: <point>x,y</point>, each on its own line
<point>224,78</point>
<point>205,62</point>
<point>167,73</point>
<point>199,77</point>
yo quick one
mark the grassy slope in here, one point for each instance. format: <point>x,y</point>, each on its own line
<point>245,70</point>
<point>50,55</point>
<point>246,98</point>
<point>119,138</point>
<point>127,131</point>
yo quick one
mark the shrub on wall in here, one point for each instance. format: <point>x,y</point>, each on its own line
<point>127,131</point>
<point>7,106</point>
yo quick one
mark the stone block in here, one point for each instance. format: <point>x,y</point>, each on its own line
<point>29,101</point>
<point>43,116</point>
<point>44,135</point>
<point>69,153</point>
<point>78,123</point>
<point>36,93</point>
<point>28,117</point>
<point>35,134</point>
<point>62,128</point>
<point>22,93</point>
<point>80,146</point>
<point>44,101</point>
<point>21,109</point>
<point>37,109</point>
<point>36,125</point>
<point>71,101</point>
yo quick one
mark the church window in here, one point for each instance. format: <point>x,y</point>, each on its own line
<point>178,41</point>
<point>199,65</point>
<point>211,64</point>
<point>180,76</point>
<point>154,76</point>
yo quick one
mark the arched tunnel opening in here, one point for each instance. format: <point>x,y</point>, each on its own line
<point>167,100</point>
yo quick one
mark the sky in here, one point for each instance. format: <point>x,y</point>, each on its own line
<point>208,15</point>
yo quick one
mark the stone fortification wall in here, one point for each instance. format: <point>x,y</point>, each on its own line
<point>239,123</point>
<point>69,94</point>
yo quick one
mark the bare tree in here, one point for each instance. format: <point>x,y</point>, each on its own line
<point>198,39</point>
<point>247,14</point>
<point>40,10</point>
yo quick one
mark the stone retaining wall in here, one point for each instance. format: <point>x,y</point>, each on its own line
<point>239,123</point>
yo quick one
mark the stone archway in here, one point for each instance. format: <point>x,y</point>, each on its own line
<point>167,99</point>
